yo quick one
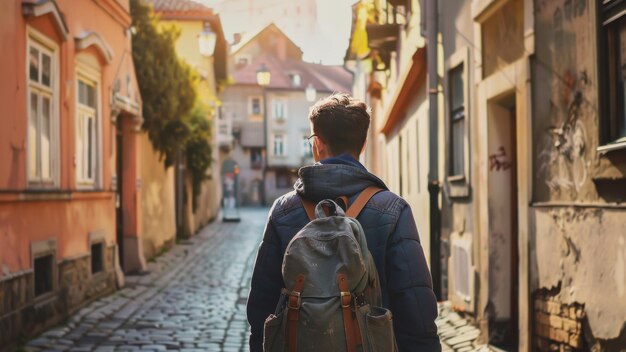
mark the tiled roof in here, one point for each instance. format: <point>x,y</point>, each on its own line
<point>249,36</point>
<point>178,6</point>
<point>324,78</point>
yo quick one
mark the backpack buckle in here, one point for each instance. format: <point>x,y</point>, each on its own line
<point>346,297</point>
<point>294,300</point>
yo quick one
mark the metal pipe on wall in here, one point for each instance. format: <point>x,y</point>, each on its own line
<point>433,160</point>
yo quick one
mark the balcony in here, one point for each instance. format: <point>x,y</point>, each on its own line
<point>382,39</point>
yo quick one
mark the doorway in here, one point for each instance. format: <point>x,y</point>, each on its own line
<point>503,222</point>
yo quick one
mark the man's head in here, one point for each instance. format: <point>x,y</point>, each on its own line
<point>339,123</point>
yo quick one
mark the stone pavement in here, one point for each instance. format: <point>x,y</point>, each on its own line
<point>457,334</point>
<point>194,299</point>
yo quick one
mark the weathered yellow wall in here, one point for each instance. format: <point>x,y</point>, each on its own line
<point>157,200</point>
<point>188,50</point>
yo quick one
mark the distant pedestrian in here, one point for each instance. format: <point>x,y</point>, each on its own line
<point>339,125</point>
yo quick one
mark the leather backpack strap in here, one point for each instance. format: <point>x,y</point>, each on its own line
<point>359,203</point>
<point>348,324</point>
<point>293,313</point>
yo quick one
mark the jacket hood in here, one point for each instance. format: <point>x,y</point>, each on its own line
<point>329,181</point>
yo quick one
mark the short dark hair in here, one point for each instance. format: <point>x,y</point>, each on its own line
<point>341,122</point>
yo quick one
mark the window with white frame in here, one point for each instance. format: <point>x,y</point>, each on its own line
<point>279,145</point>
<point>457,122</point>
<point>255,106</point>
<point>307,151</point>
<point>280,109</point>
<point>42,114</point>
<point>87,130</point>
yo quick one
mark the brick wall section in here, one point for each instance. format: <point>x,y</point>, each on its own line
<point>557,326</point>
<point>22,316</point>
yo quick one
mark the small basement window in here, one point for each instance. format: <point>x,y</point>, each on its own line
<point>97,257</point>
<point>44,274</point>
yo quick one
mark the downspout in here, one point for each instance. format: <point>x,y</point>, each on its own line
<point>433,160</point>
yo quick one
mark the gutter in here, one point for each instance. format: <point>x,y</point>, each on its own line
<point>434,185</point>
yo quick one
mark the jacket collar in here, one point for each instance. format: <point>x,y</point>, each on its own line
<point>331,179</point>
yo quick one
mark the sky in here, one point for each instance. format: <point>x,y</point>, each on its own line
<point>329,44</point>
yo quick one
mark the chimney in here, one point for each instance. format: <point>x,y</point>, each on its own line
<point>236,38</point>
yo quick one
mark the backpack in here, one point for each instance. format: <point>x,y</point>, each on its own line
<point>332,299</point>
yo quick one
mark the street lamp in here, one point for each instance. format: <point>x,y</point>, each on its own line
<point>206,40</point>
<point>263,77</point>
<point>310,93</point>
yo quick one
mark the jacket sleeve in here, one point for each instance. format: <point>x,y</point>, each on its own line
<point>266,285</point>
<point>409,287</point>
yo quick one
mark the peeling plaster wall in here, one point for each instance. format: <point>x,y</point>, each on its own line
<point>565,85</point>
<point>583,251</point>
<point>578,239</point>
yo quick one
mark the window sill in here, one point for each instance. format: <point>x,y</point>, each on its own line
<point>615,145</point>
<point>456,178</point>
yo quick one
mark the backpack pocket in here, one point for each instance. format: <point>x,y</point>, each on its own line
<point>376,329</point>
<point>274,333</point>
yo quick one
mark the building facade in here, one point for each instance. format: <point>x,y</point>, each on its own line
<point>201,44</point>
<point>69,159</point>
<point>530,123</point>
<point>270,123</point>
<point>387,54</point>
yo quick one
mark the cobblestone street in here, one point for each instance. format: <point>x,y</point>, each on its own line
<point>192,300</point>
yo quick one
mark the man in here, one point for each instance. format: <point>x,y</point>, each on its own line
<point>339,127</point>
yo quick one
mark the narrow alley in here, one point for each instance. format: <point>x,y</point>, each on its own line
<point>193,299</point>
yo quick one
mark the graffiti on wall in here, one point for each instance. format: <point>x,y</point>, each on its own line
<point>562,157</point>
<point>499,161</point>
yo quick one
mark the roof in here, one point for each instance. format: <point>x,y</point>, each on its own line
<point>325,78</point>
<point>249,36</point>
<point>180,8</point>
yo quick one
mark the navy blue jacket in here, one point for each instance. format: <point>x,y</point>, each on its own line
<point>392,239</point>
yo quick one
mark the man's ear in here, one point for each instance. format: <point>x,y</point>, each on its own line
<point>321,146</point>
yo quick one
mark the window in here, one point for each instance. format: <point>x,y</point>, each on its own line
<point>307,151</point>
<point>44,274</point>
<point>255,106</point>
<point>42,116</point>
<point>97,257</point>
<point>614,47</point>
<point>279,145</point>
<point>256,158</point>
<point>87,131</point>
<point>457,122</point>
<point>242,60</point>
<point>280,107</point>
<point>296,80</point>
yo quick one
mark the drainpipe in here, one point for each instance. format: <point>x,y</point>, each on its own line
<point>433,160</point>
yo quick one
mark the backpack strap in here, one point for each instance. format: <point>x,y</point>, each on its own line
<point>348,324</point>
<point>293,313</point>
<point>359,203</point>
<point>353,210</point>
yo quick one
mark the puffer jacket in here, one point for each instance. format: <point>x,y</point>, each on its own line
<point>392,239</point>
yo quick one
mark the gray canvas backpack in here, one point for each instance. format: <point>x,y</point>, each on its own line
<point>332,297</point>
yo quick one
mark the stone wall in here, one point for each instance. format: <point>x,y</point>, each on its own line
<point>22,315</point>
